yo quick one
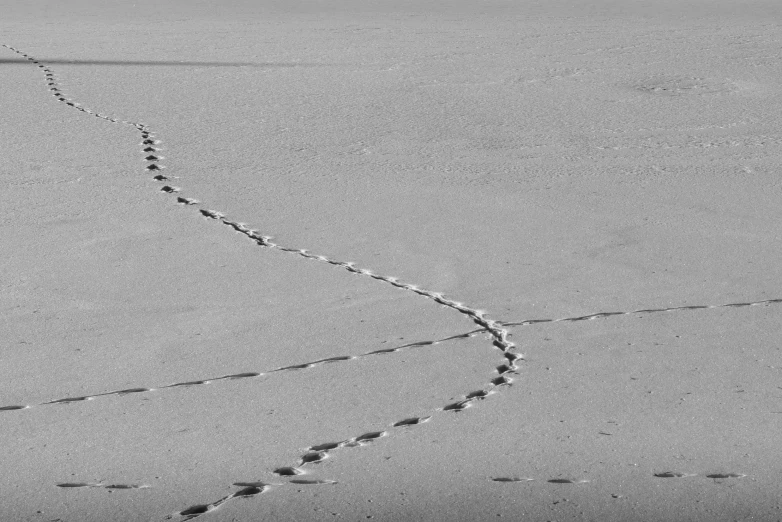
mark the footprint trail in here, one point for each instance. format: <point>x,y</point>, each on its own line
<point>150,146</point>
<point>496,331</point>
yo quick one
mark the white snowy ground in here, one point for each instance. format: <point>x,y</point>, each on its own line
<point>536,160</point>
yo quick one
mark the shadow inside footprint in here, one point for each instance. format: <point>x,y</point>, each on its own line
<point>249,491</point>
<point>411,421</point>
<point>325,447</point>
<point>195,510</point>
<point>725,475</point>
<point>313,458</point>
<point>11,408</point>
<point>673,474</point>
<point>288,472</point>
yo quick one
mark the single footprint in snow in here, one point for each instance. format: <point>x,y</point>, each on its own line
<point>288,472</point>
<point>411,421</point>
<point>567,481</point>
<point>674,474</point>
<point>458,406</point>
<point>325,447</point>
<point>725,475</point>
<point>10,408</point>
<point>314,458</point>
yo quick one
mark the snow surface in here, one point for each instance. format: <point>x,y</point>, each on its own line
<point>530,160</point>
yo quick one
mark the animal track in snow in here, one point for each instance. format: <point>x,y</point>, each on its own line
<point>99,485</point>
<point>718,476</point>
<point>242,375</point>
<point>413,421</point>
<point>197,510</point>
<point>496,330</point>
<point>674,474</point>
<point>645,311</point>
<point>288,471</point>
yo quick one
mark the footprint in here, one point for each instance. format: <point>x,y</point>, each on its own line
<point>567,481</point>
<point>511,479</point>
<point>512,357</point>
<point>363,440</point>
<point>288,472</point>
<point>295,367</point>
<point>70,399</point>
<point>371,435</point>
<point>257,484</point>
<point>674,474</point>
<point>480,394</point>
<point>211,214</point>
<point>190,383</point>
<point>199,509</point>
<point>246,375</point>
<point>249,491</point>
<point>725,475</point>
<point>383,352</point>
<point>457,406</point>
<point>131,390</point>
<point>312,482</point>
<point>314,458</point>
<point>325,447</point>
<point>336,359</point>
<point>98,485</point>
<point>502,380</point>
<point>10,408</point>
<point>411,421</point>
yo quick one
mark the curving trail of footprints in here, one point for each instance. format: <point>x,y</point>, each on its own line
<point>150,146</point>
<point>496,331</point>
